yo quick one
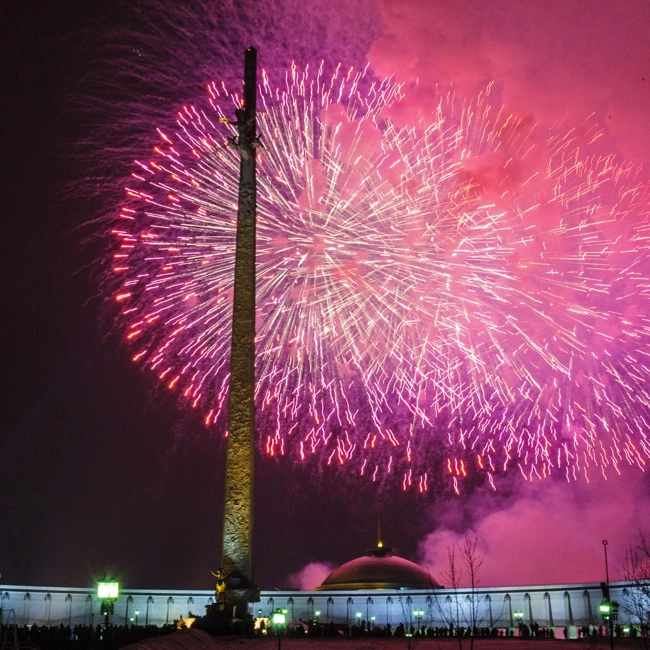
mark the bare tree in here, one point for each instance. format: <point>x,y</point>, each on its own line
<point>462,616</point>
<point>637,573</point>
<point>473,562</point>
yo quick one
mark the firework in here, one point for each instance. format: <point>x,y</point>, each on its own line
<point>460,292</point>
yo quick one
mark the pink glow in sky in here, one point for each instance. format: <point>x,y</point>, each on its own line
<point>551,534</point>
<point>561,61</point>
<point>552,59</point>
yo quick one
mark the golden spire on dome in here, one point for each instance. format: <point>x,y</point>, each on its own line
<point>380,544</point>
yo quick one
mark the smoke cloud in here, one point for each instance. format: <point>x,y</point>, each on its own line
<point>310,576</point>
<point>553,59</point>
<point>551,533</point>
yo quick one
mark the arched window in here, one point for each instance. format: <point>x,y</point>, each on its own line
<point>369,603</point>
<point>586,597</point>
<point>149,604</point>
<point>507,604</point>
<point>88,613</point>
<point>568,610</point>
<point>48,607</point>
<point>68,599</point>
<point>488,600</point>
<point>348,602</point>
<point>129,602</point>
<point>27,599</point>
<point>290,604</point>
<point>549,609</point>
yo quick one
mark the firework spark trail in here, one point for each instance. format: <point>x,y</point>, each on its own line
<point>463,286</point>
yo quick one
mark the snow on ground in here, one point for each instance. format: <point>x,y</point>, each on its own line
<point>197,639</point>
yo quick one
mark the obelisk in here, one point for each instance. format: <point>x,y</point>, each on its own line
<point>238,509</point>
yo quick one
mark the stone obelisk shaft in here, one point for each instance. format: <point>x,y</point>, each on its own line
<point>238,511</point>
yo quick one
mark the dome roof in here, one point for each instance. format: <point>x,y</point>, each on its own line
<point>379,569</point>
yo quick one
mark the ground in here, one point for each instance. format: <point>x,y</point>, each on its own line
<point>196,639</point>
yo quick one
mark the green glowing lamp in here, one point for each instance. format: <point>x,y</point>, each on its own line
<point>279,618</point>
<point>108,589</point>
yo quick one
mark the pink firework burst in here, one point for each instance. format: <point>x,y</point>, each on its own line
<point>460,293</point>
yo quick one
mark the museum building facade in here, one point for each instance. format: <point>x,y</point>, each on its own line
<point>375,589</point>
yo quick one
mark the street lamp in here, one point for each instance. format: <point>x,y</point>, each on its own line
<point>518,616</point>
<point>609,612</point>
<point>371,625</point>
<point>137,612</point>
<point>279,620</point>
<point>279,617</point>
<point>419,613</point>
<point>107,593</point>
<point>317,614</point>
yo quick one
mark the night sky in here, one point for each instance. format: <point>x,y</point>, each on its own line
<point>101,473</point>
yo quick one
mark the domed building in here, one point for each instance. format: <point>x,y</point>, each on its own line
<point>378,569</point>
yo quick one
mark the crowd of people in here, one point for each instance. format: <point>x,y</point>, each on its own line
<point>630,631</point>
<point>112,637</point>
<point>79,637</point>
<point>534,630</point>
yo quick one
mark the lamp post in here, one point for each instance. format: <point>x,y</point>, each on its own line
<point>317,615</point>
<point>609,613</point>
<point>279,620</point>
<point>137,612</point>
<point>518,616</point>
<point>107,593</point>
<point>419,613</point>
<point>605,609</point>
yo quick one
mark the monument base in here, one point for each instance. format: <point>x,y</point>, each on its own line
<point>230,614</point>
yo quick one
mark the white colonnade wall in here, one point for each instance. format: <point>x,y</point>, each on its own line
<point>547,605</point>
